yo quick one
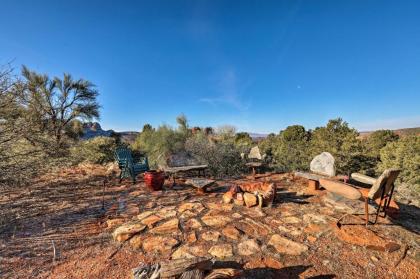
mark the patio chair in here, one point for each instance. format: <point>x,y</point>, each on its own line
<point>127,165</point>
<point>381,192</point>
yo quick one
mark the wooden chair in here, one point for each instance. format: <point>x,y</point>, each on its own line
<point>381,191</point>
<point>127,165</point>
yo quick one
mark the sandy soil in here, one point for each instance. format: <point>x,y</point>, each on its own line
<point>68,213</point>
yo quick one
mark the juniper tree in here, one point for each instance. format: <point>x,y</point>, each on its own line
<point>53,105</point>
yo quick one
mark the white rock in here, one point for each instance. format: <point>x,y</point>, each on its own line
<point>323,164</point>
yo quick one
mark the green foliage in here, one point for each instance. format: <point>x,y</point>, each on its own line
<point>39,119</point>
<point>343,143</point>
<point>405,155</point>
<point>223,158</point>
<point>377,140</point>
<point>98,150</point>
<point>161,142</point>
<point>269,144</point>
<point>243,141</point>
<point>292,149</point>
<point>53,105</point>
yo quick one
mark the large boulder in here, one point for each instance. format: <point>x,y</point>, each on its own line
<point>255,153</point>
<point>323,164</point>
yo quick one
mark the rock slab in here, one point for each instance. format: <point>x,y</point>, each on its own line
<point>287,246</point>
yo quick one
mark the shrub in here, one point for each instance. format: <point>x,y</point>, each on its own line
<point>98,150</point>
<point>159,143</point>
<point>342,142</point>
<point>223,158</point>
<point>405,155</point>
<point>292,149</point>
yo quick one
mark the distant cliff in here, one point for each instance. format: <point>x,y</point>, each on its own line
<point>94,129</point>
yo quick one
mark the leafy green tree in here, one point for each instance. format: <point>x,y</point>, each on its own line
<point>53,105</point>
<point>292,149</point>
<point>405,155</point>
<point>243,140</point>
<point>158,144</point>
<point>147,127</point>
<point>377,140</point>
<point>20,158</point>
<point>342,142</point>
<point>268,145</point>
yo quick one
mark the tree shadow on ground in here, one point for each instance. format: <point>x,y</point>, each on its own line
<point>408,217</point>
<point>290,197</point>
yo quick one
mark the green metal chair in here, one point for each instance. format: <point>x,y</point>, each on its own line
<point>127,165</point>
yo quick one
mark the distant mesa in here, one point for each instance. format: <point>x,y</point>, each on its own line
<point>94,129</point>
<point>415,131</point>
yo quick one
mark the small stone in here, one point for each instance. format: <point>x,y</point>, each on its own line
<point>325,262</point>
<point>171,226</point>
<point>144,214</point>
<point>188,214</point>
<point>192,206</point>
<point>221,251</point>
<point>220,206</point>
<point>150,204</point>
<point>227,197</point>
<point>191,237</point>
<point>373,258</point>
<point>311,238</point>
<point>312,218</point>
<point>238,202</point>
<point>250,199</point>
<point>283,229</point>
<point>253,228</point>
<point>263,263</point>
<point>125,231</point>
<point>182,253</point>
<point>291,220</point>
<point>215,220</point>
<point>198,251</point>
<point>211,236</point>
<point>136,242</point>
<point>254,212</point>
<point>151,220</point>
<point>236,215</point>
<point>287,246</point>
<point>167,212</point>
<point>160,244</point>
<point>112,223</point>
<point>193,224</point>
<point>231,232</point>
<point>248,247</point>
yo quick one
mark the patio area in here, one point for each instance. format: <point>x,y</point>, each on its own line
<point>296,237</point>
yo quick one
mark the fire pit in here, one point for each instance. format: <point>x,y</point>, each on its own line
<point>251,194</point>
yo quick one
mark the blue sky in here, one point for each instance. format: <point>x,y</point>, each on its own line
<point>258,65</point>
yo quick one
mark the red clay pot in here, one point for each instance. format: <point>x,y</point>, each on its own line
<point>154,180</point>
